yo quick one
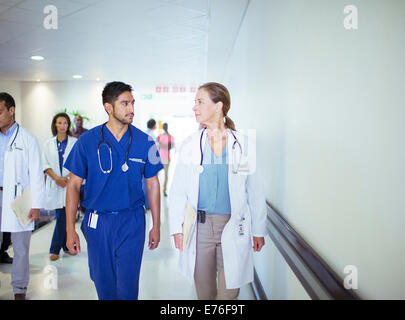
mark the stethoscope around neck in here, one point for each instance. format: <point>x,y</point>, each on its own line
<point>124,167</point>
<point>236,142</point>
<point>10,148</point>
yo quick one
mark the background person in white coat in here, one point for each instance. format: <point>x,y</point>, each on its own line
<point>231,221</point>
<point>55,151</point>
<point>20,167</point>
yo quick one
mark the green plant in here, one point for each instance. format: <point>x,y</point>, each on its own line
<point>75,113</point>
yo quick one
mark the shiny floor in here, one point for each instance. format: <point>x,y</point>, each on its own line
<point>68,278</point>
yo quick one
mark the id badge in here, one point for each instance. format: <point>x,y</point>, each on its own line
<point>241,231</point>
<point>241,227</point>
<point>93,220</point>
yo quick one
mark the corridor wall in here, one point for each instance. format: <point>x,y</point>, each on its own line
<point>327,104</point>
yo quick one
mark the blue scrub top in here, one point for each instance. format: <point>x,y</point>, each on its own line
<point>118,190</point>
<point>61,151</point>
<point>213,196</point>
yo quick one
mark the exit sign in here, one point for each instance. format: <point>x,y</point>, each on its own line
<point>146,97</point>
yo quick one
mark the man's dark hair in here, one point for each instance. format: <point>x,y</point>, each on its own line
<point>8,99</point>
<point>151,123</point>
<point>113,89</point>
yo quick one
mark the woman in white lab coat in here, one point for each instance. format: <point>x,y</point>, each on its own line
<point>55,151</point>
<point>216,175</point>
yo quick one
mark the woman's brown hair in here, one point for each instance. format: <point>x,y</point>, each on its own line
<point>219,93</point>
<point>53,126</point>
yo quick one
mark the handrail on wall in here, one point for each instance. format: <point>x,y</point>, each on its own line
<point>316,276</point>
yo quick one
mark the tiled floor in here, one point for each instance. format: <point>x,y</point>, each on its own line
<point>68,278</point>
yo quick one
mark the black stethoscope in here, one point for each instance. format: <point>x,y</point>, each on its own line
<point>16,134</point>
<point>124,167</point>
<point>234,171</point>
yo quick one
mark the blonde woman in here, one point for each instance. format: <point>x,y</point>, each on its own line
<point>223,189</point>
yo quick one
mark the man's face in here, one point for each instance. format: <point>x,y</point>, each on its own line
<point>78,122</point>
<point>123,109</point>
<point>6,116</point>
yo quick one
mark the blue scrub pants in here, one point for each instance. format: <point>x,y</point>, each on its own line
<point>115,249</point>
<point>59,234</point>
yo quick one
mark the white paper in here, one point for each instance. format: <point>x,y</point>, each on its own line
<point>22,206</point>
<point>189,219</point>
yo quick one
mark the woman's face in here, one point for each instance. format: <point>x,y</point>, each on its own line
<point>205,110</point>
<point>61,125</point>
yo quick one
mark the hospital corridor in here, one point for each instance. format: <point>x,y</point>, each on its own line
<point>198,150</point>
<point>68,278</point>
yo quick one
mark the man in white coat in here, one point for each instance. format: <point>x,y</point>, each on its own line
<point>20,167</point>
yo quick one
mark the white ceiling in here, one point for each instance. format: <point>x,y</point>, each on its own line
<point>153,41</point>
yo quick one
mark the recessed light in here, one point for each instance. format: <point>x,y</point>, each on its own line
<point>97,79</point>
<point>38,80</point>
<point>77,76</point>
<point>37,58</point>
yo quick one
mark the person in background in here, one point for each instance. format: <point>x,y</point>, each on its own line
<point>17,175</point>
<point>150,128</point>
<point>166,142</point>
<point>79,130</point>
<point>55,151</point>
<point>5,244</point>
<point>223,188</point>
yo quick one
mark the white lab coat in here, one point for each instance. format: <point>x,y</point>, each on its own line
<point>22,166</point>
<point>248,208</point>
<point>55,196</point>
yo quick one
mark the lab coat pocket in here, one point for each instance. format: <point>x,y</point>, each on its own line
<point>237,253</point>
<point>50,194</point>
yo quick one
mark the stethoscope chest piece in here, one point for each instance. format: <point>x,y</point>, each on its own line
<point>124,167</point>
<point>200,169</point>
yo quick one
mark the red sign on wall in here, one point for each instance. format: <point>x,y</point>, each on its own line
<point>174,89</point>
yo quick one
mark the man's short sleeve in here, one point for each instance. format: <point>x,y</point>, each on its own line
<point>77,160</point>
<point>153,164</point>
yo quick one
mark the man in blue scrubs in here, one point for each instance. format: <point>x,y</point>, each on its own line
<point>113,158</point>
